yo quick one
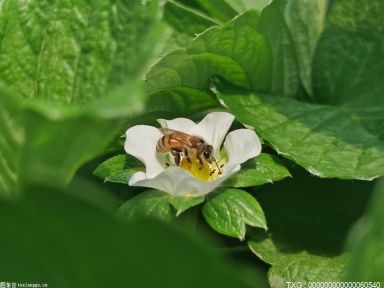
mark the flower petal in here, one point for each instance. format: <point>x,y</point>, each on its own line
<point>177,181</point>
<point>141,143</point>
<point>195,187</point>
<point>169,180</point>
<point>213,128</point>
<point>164,181</point>
<point>241,145</point>
<point>179,124</point>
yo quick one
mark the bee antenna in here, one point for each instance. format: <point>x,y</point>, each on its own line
<point>217,165</point>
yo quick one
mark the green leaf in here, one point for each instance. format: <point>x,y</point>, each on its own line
<point>227,9</point>
<point>353,38</point>
<point>308,221</point>
<point>95,64</point>
<point>366,241</point>
<point>11,137</point>
<point>263,169</point>
<point>294,266</point>
<point>298,266</point>
<point>229,212</point>
<point>244,5</point>
<point>85,188</point>
<point>218,9</point>
<point>293,28</point>
<point>181,100</point>
<point>305,21</point>
<point>185,20</point>
<point>151,203</point>
<point>117,105</point>
<point>118,169</point>
<point>285,70</point>
<point>73,244</point>
<point>59,141</point>
<point>136,30</point>
<point>304,213</point>
<point>182,204</point>
<point>236,52</point>
<point>323,139</point>
<point>73,53</point>
<point>305,268</point>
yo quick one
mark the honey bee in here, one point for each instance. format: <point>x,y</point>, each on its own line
<point>182,145</point>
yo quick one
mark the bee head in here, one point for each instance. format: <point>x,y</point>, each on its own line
<point>208,152</point>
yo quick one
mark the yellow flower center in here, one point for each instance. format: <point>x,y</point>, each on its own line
<point>200,168</point>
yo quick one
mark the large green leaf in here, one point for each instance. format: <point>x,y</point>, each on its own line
<point>58,141</point>
<point>151,203</point>
<point>285,70</point>
<point>342,139</point>
<point>308,221</point>
<point>349,62</point>
<point>181,204</point>
<point>70,52</point>
<point>323,139</point>
<point>305,268</point>
<point>366,242</point>
<point>225,10</point>
<point>229,212</point>
<point>298,266</point>
<point>11,137</point>
<point>182,101</point>
<point>72,244</point>
<point>73,53</point>
<point>185,20</point>
<point>292,28</point>
<point>258,171</point>
<point>218,9</point>
<point>305,21</point>
<point>47,144</point>
<point>236,52</point>
<point>244,5</point>
<point>118,169</point>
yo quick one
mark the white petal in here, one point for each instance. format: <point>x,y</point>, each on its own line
<point>176,181</point>
<point>197,187</point>
<point>241,145</point>
<point>141,143</point>
<point>213,128</point>
<point>168,180</point>
<point>164,181</point>
<point>180,124</point>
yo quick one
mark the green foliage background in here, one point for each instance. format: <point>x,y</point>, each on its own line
<point>305,75</point>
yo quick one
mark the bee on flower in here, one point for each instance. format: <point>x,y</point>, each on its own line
<point>188,159</point>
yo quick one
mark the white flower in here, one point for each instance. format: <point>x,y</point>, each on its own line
<point>186,180</point>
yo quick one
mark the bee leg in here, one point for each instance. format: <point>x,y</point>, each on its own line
<point>176,156</point>
<point>200,162</point>
<point>185,151</point>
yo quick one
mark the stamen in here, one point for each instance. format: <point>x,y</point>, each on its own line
<point>222,165</point>
<point>200,168</point>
